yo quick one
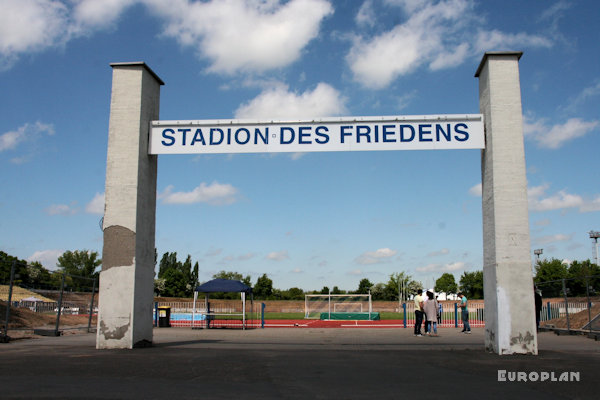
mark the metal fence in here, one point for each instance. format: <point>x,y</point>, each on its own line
<point>450,316</point>
<point>60,313</point>
<point>220,314</point>
<point>571,305</point>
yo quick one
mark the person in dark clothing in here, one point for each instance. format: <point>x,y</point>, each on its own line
<point>418,312</point>
<point>538,305</point>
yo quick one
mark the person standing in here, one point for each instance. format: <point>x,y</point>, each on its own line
<point>464,313</point>
<point>538,305</point>
<point>418,312</point>
<point>440,310</point>
<point>431,309</point>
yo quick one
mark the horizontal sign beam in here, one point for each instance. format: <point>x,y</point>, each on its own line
<point>428,132</point>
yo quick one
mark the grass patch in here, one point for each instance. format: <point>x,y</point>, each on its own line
<point>282,315</point>
<point>391,315</point>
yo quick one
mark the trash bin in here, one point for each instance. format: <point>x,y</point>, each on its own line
<point>164,317</point>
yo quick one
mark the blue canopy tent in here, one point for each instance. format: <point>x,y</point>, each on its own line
<point>222,285</point>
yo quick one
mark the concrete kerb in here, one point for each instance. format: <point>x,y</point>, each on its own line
<point>292,363</point>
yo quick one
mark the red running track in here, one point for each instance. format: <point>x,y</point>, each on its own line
<point>315,323</point>
<point>295,323</point>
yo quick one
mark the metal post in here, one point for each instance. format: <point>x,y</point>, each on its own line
<point>564,285</point>
<point>399,295</point>
<point>589,304</point>
<point>62,289</point>
<point>262,315</point>
<point>329,303</point>
<point>243,310</point>
<point>404,312</point>
<point>456,315</point>
<point>207,308</point>
<point>194,308</point>
<point>548,311</point>
<point>156,313</point>
<point>10,286</point>
<point>91,306</point>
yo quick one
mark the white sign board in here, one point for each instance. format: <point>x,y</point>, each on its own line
<point>428,132</point>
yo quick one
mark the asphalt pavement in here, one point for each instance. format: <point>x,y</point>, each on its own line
<point>296,363</point>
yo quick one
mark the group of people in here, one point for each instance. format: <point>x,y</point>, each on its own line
<point>429,311</point>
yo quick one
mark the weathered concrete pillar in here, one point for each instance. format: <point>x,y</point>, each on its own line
<point>508,286</point>
<point>126,280</point>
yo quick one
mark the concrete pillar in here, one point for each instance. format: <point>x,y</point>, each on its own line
<point>508,286</point>
<point>127,276</point>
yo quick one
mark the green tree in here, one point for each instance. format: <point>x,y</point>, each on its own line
<point>236,276</point>
<point>263,288</point>
<point>179,280</point>
<point>325,290</point>
<point>378,292</point>
<point>364,286</point>
<point>549,275</point>
<point>295,294</point>
<point>446,284</point>
<point>585,276</point>
<point>38,275</point>
<point>167,262</point>
<point>336,290</point>
<point>176,283</point>
<point>471,284</point>
<point>21,270</point>
<point>81,264</point>
<point>159,286</point>
<point>195,275</point>
<point>399,284</point>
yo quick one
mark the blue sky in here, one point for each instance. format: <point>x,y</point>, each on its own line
<point>307,220</point>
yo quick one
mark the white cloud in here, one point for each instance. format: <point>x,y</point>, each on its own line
<point>297,271</point>
<point>451,267</point>
<point>89,15</point>
<point>279,103</point>
<point>542,240</point>
<point>543,222</point>
<point>587,94</point>
<point>96,205</point>
<point>60,209</point>
<point>540,201</point>
<point>243,257</point>
<point>244,35</point>
<point>278,255</point>
<point>476,190</point>
<point>252,35</point>
<point>48,258</point>
<point>366,15</point>
<point>375,257</point>
<point>30,26</point>
<point>553,137</point>
<point>213,252</point>
<point>355,272</point>
<point>495,39</point>
<point>441,252</point>
<point>214,194</point>
<point>26,133</point>
<point>440,34</point>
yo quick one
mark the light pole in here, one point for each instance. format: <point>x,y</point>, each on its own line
<point>594,235</point>
<point>538,253</point>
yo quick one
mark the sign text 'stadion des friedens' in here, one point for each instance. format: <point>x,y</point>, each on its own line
<point>332,134</point>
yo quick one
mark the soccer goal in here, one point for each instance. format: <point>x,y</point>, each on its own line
<point>338,306</point>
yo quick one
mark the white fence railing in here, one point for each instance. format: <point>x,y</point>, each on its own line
<point>450,316</point>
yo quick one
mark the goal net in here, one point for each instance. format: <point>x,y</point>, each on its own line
<point>316,305</point>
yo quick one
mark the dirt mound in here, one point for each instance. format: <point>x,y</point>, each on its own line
<point>25,318</point>
<point>576,321</point>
